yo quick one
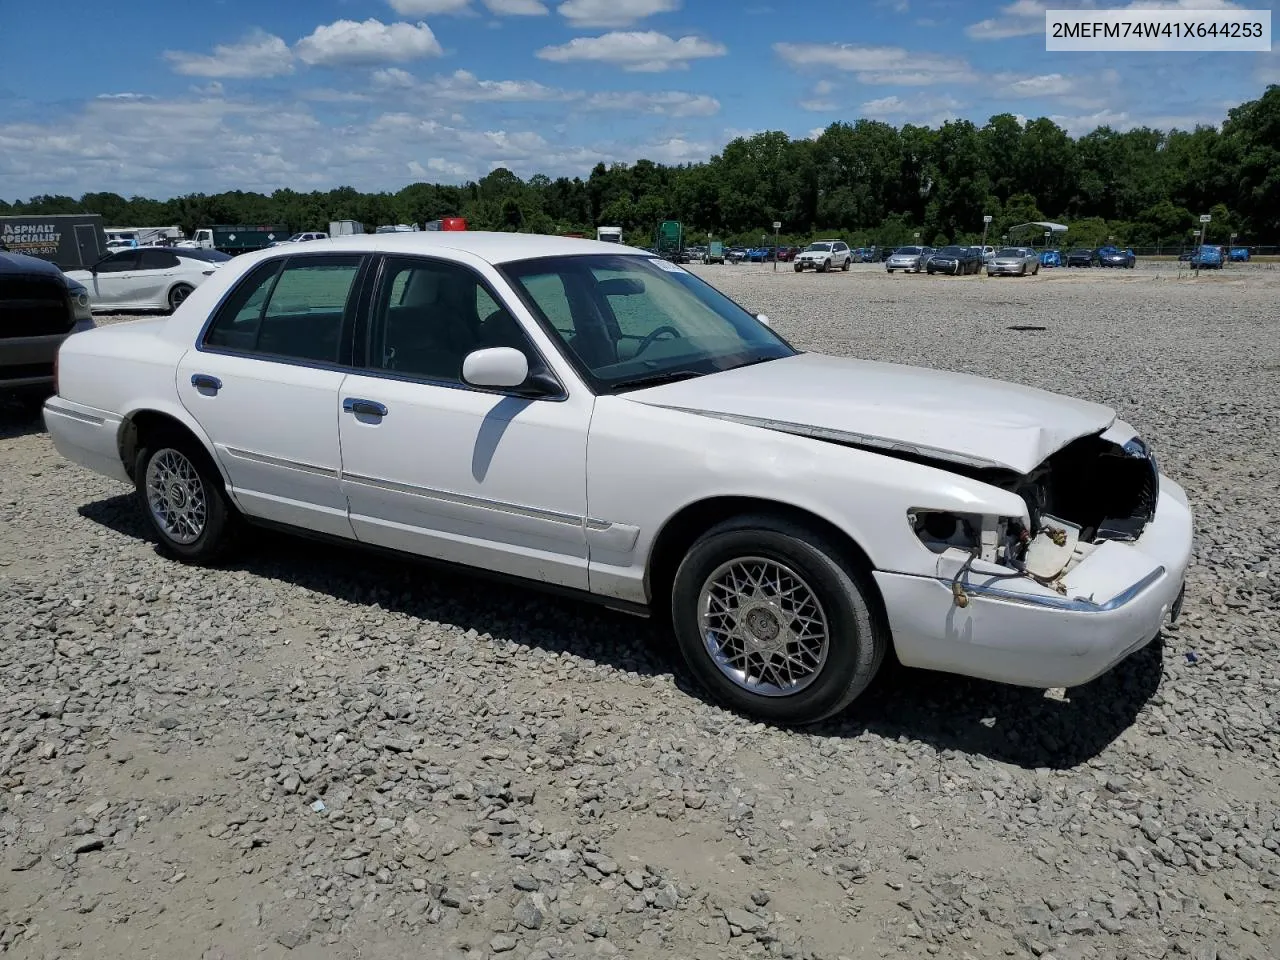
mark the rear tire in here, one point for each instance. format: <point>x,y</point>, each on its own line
<point>846,264</point>
<point>755,588</point>
<point>178,295</point>
<point>181,494</point>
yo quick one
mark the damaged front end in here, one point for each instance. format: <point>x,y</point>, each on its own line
<point>1099,488</point>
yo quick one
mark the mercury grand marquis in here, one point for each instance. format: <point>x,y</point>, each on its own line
<point>591,418</point>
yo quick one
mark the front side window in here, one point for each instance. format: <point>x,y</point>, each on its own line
<point>628,321</point>
<point>292,309</point>
<point>118,262</point>
<point>429,314</point>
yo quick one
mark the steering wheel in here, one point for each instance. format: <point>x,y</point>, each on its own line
<point>648,341</point>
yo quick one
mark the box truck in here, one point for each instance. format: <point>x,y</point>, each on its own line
<point>345,228</point>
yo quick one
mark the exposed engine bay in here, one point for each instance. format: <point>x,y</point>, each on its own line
<point>1091,491</point>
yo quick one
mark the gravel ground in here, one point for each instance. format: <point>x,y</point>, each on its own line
<point>317,753</point>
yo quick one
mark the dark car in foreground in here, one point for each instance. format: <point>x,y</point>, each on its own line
<point>1080,257</point>
<point>39,308</point>
<point>957,261</point>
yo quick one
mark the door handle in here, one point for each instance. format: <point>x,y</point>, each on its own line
<point>202,381</point>
<point>366,408</point>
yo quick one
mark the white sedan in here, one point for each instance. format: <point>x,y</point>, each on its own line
<point>588,417</point>
<point>147,278</point>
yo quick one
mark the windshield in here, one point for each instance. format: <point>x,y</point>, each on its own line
<point>822,247</point>
<point>952,251</point>
<point>1011,252</point>
<point>629,321</point>
<point>909,251</point>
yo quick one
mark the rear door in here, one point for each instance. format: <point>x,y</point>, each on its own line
<point>157,269</point>
<point>264,383</point>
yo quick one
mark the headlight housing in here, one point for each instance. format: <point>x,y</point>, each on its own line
<point>79,303</point>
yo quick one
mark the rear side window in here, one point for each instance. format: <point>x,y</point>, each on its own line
<point>158,259</point>
<point>293,312</point>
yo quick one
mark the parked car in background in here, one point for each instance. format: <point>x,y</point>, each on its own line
<point>302,238</point>
<point>1207,257</point>
<point>907,259</point>
<point>934,488</point>
<point>787,254</point>
<point>760,254</point>
<point>955,260</point>
<point>1013,262</point>
<point>148,278</point>
<point>1239,255</point>
<point>1050,258</point>
<point>737,254</point>
<point>988,252</point>
<point>715,252</point>
<point>40,307</point>
<point>824,255</point>
<point>1080,257</point>
<point>1115,257</point>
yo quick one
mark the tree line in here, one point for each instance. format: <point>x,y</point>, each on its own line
<point>865,180</point>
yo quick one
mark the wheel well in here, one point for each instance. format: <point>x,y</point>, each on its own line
<point>680,532</point>
<point>138,429</point>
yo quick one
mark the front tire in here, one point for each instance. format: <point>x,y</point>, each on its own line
<point>774,621</point>
<point>181,494</point>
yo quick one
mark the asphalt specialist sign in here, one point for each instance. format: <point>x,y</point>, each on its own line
<point>35,239</point>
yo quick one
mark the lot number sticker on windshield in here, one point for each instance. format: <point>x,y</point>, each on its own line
<point>668,266</point>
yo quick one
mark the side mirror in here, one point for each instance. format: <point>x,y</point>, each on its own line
<point>496,367</point>
<point>765,320</point>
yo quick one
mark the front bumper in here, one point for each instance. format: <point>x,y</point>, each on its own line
<point>1017,631</point>
<point>1013,269</point>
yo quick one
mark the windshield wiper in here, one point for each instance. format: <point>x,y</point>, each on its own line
<point>657,379</point>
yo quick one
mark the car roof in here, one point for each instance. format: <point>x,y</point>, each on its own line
<point>492,247</point>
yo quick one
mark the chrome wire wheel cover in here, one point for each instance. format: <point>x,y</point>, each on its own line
<point>763,626</point>
<point>176,497</point>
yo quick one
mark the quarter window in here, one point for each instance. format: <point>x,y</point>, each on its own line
<point>295,312</point>
<point>430,314</point>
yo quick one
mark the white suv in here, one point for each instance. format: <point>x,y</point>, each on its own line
<point>824,255</point>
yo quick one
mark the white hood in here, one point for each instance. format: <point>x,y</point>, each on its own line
<point>938,414</point>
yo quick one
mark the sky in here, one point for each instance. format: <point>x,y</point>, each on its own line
<point>167,97</point>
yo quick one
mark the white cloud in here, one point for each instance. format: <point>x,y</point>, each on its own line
<point>462,85</point>
<point>819,106</point>
<point>351,43</point>
<point>675,150</point>
<point>1044,85</point>
<point>517,8</point>
<point>613,13</point>
<point>671,103</point>
<point>428,8</point>
<point>929,110</point>
<point>635,51</point>
<point>1024,18</point>
<point>259,54</point>
<point>823,87</point>
<point>892,66</point>
<point>1268,70</point>
<point>1018,19</point>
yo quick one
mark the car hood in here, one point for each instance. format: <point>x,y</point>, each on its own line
<point>930,413</point>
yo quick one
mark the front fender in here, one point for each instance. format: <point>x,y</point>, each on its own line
<point>646,464</point>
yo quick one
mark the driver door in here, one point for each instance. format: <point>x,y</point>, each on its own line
<point>114,277</point>
<point>433,466</point>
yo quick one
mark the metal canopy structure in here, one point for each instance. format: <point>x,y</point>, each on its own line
<point>1040,225</point>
